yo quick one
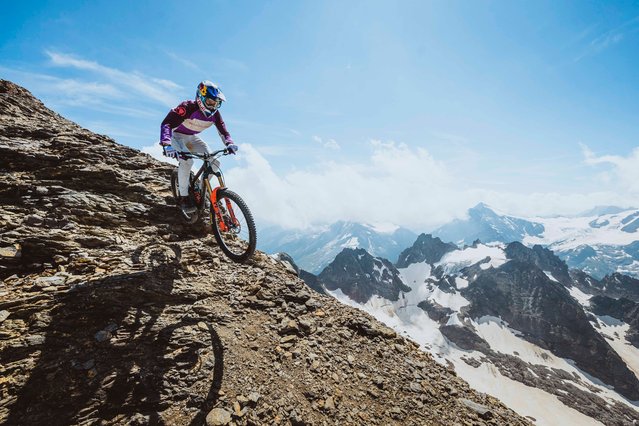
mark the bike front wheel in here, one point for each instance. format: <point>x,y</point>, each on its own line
<point>233,226</point>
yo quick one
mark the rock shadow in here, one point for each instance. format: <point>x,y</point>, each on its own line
<point>120,349</point>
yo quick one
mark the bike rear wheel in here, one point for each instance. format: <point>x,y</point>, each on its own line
<point>233,226</point>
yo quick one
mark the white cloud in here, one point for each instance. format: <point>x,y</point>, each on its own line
<point>623,171</point>
<point>328,144</point>
<point>155,151</point>
<point>152,88</point>
<point>89,95</point>
<point>608,38</point>
<point>395,184</point>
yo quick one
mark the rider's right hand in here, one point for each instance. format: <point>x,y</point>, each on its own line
<point>170,152</point>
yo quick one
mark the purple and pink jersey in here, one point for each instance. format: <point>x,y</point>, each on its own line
<point>187,119</point>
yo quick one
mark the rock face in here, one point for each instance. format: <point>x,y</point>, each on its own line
<point>615,285</point>
<point>622,309</point>
<point>112,313</point>
<point>424,249</point>
<point>521,294</point>
<point>542,258</point>
<point>360,276</point>
<point>620,286</point>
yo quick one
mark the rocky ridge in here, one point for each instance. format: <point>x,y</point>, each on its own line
<point>112,312</point>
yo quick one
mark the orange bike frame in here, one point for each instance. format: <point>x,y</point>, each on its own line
<point>218,216</point>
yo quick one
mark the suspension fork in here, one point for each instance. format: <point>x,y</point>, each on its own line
<point>216,209</point>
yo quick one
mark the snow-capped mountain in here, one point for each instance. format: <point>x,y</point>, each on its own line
<point>600,242</point>
<point>514,322</point>
<point>313,250</point>
<point>486,225</point>
<point>360,276</point>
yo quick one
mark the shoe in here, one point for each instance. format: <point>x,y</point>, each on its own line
<point>186,205</point>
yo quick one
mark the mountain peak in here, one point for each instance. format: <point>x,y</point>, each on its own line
<point>481,206</point>
<point>425,249</point>
<point>487,225</point>
<point>360,276</point>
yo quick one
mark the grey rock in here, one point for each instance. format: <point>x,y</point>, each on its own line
<point>329,404</point>
<point>56,280</point>
<point>483,411</point>
<point>102,335</point>
<point>218,417</point>
<point>12,251</point>
<point>35,340</point>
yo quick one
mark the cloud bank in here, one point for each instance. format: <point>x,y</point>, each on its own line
<point>401,185</point>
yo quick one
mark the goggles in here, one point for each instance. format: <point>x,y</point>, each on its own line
<point>213,103</point>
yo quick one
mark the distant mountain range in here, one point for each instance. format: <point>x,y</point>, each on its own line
<point>314,249</point>
<point>601,241</point>
<point>510,318</point>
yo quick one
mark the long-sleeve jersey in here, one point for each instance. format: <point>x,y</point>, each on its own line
<point>187,118</point>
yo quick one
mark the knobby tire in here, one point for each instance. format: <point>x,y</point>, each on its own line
<point>224,239</point>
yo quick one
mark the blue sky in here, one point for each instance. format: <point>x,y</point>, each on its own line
<point>529,106</point>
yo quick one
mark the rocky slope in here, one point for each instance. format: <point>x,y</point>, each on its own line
<point>111,312</point>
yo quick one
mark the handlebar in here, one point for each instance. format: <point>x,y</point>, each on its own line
<point>205,157</point>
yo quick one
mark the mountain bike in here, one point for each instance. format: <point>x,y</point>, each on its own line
<point>231,220</point>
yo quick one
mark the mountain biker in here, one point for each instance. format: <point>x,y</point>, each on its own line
<point>179,132</point>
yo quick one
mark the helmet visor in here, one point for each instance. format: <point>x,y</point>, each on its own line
<point>212,103</point>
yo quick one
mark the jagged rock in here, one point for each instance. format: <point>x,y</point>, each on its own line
<point>620,286</point>
<point>435,311</point>
<point>12,251</point>
<point>287,261</point>
<point>312,281</point>
<point>541,257</point>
